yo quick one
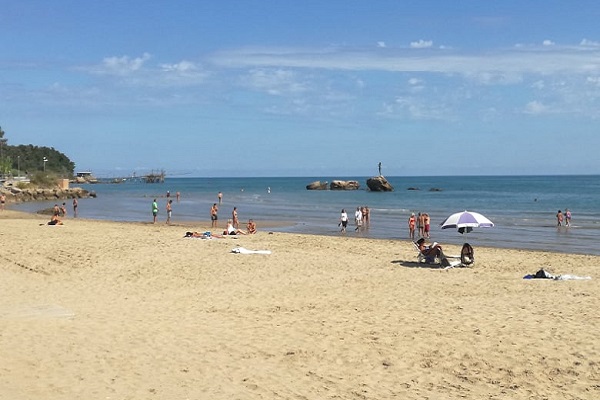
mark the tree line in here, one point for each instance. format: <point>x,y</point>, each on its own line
<point>29,159</point>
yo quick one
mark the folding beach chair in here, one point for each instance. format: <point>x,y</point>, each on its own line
<point>444,260</point>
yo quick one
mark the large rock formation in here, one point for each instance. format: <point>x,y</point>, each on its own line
<point>379,184</point>
<point>317,185</point>
<point>16,195</point>
<point>344,185</point>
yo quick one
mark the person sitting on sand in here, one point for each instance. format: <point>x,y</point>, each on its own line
<point>432,250</point>
<point>230,230</point>
<point>251,227</point>
<point>55,221</point>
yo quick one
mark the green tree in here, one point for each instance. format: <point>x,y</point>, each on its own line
<point>29,158</point>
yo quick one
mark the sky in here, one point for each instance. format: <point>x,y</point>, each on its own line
<point>319,88</point>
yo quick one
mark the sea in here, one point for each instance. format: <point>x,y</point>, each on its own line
<point>523,208</point>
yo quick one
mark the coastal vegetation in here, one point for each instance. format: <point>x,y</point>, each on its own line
<point>37,162</point>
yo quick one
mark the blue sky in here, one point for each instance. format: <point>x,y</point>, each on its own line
<point>305,88</point>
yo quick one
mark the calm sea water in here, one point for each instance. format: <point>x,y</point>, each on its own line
<point>523,208</point>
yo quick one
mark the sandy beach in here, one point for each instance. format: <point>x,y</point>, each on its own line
<point>103,310</point>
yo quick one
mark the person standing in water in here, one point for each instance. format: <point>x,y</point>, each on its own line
<point>559,218</point>
<point>412,221</point>
<point>343,220</point>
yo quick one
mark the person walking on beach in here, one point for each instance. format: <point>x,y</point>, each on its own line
<point>213,215</point>
<point>63,210</point>
<point>567,217</point>
<point>234,218</point>
<point>559,218</point>
<point>2,201</point>
<point>343,220</point>
<point>75,204</point>
<point>412,221</point>
<point>154,210</point>
<point>169,210</point>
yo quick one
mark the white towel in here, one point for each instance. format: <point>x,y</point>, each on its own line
<point>241,250</point>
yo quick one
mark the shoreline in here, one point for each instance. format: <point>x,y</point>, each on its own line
<point>204,225</point>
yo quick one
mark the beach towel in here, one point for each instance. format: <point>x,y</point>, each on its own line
<point>241,250</point>
<point>543,274</point>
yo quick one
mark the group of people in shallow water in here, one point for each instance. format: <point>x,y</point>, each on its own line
<point>232,227</point>
<point>566,218</point>
<point>421,222</point>
<point>361,218</point>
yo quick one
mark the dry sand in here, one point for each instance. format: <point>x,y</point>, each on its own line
<point>101,310</point>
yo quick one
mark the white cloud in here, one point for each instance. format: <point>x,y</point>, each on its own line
<point>122,65</point>
<point>548,43</point>
<point>586,42</point>
<point>183,66</point>
<point>500,66</point>
<point>381,44</point>
<point>593,80</point>
<point>538,85</point>
<point>137,72</point>
<point>416,85</point>
<point>414,108</point>
<point>421,44</point>
<point>275,82</point>
<point>535,107</point>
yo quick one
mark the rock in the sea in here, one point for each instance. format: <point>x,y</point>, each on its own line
<point>344,185</point>
<point>317,185</point>
<point>379,184</point>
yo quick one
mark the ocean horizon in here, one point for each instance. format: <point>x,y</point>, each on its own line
<point>523,208</point>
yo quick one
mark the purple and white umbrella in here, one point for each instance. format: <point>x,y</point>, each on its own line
<point>466,221</point>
